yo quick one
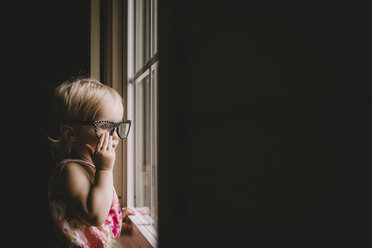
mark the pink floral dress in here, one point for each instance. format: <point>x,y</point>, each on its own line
<point>70,230</point>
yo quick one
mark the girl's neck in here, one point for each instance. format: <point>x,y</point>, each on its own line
<point>83,156</point>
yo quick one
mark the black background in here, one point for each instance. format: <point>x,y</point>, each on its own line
<point>264,124</point>
<point>266,110</point>
<point>43,43</point>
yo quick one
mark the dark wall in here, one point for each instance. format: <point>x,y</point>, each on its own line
<point>43,43</point>
<point>264,124</point>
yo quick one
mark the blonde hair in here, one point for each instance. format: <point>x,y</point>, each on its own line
<point>80,99</point>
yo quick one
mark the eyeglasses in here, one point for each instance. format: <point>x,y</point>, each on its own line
<point>122,128</point>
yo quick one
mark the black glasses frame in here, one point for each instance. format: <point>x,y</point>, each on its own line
<point>95,124</point>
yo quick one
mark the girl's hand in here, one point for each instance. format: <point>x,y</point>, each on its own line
<point>126,227</point>
<point>103,156</point>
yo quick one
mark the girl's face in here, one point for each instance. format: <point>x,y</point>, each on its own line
<point>111,110</point>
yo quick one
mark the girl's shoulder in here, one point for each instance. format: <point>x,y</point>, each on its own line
<point>67,171</point>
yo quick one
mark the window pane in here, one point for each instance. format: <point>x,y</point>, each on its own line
<point>142,33</point>
<point>154,27</point>
<point>142,144</point>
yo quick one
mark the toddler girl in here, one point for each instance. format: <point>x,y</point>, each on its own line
<point>83,202</point>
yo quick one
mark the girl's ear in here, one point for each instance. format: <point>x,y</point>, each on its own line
<point>68,132</point>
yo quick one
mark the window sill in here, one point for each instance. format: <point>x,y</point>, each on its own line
<point>144,233</point>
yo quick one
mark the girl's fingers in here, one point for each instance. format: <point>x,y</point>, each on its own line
<point>110,143</point>
<point>128,211</point>
<point>100,142</point>
<point>105,141</point>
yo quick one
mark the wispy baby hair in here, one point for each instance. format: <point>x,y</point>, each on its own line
<point>79,99</point>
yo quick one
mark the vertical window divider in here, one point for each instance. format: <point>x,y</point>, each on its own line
<point>151,132</point>
<point>131,151</point>
<point>153,127</point>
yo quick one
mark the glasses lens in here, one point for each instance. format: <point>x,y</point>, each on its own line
<point>103,127</point>
<point>123,130</point>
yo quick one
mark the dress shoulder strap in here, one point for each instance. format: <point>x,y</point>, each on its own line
<point>90,168</point>
<point>79,161</point>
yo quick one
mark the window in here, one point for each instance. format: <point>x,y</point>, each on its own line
<point>143,81</point>
<point>124,55</point>
<point>142,97</point>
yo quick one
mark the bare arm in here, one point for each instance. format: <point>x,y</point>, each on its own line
<point>100,196</point>
<point>91,202</point>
